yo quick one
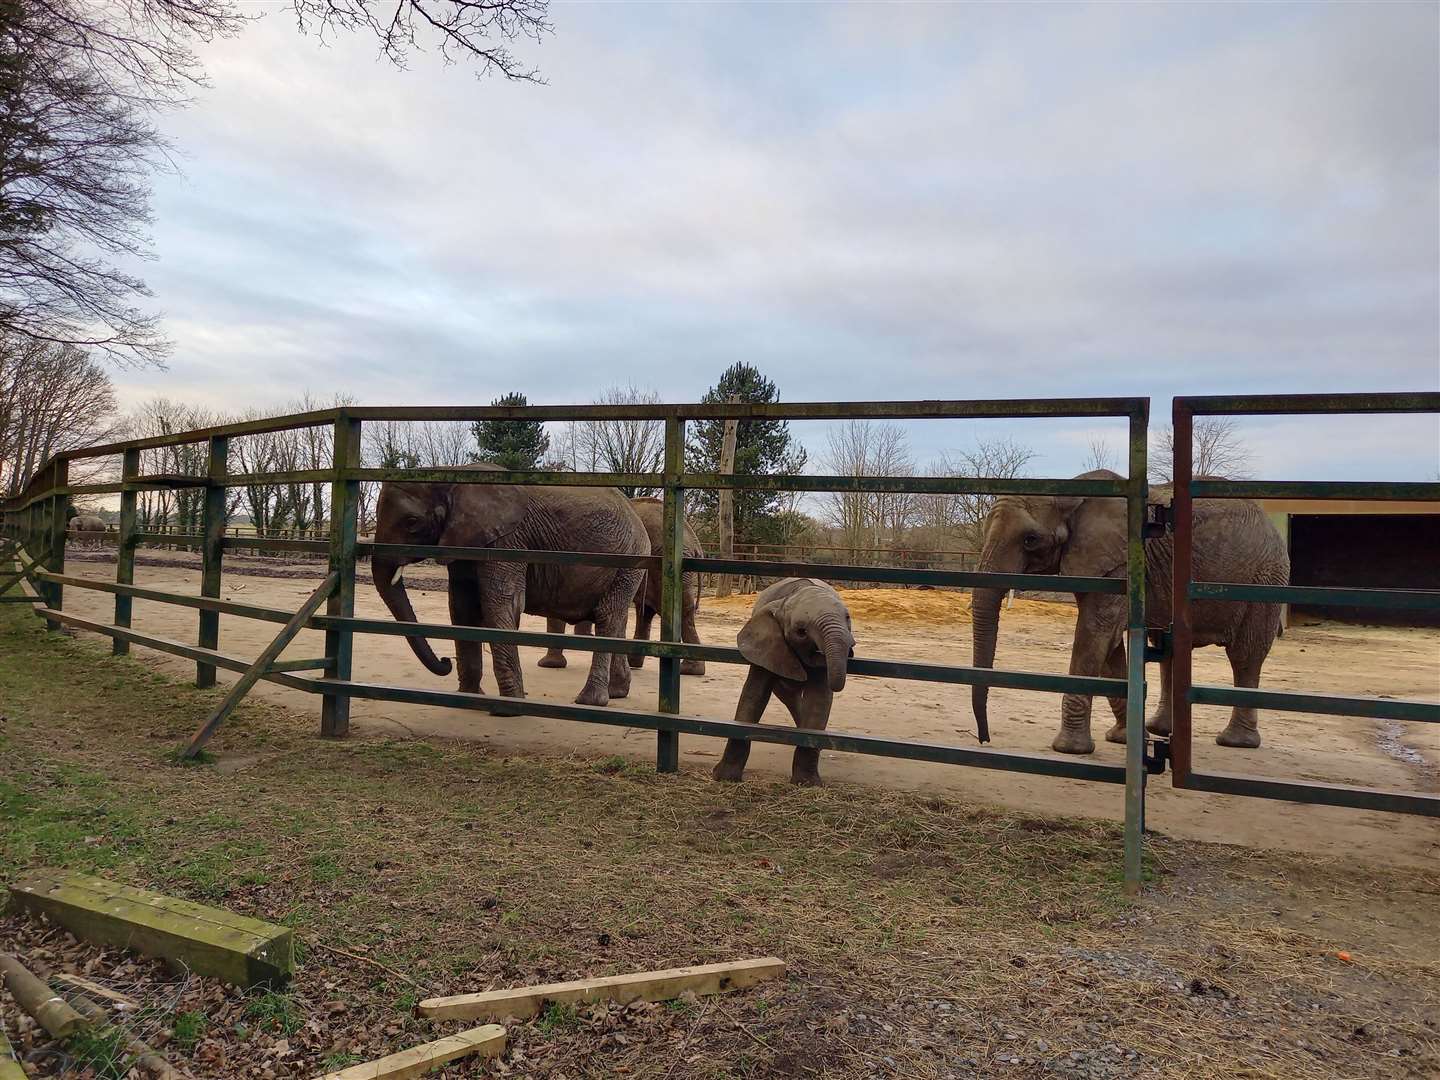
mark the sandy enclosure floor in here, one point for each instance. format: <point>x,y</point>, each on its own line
<point>916,625</point>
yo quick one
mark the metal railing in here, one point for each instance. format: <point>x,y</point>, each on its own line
<point>1185,693</point>
<point>36,520</point>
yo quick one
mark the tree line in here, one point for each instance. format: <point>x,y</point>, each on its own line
<point>56,397</point>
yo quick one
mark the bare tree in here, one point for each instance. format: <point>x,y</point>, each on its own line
<point>80,83</point>
<point>179,507</point>
<point>1100,455</point>
<point>621,446</point>
<point>960,516</point>
<point>864,520</point>
<point>52,398</point>
<point>1216,450</point>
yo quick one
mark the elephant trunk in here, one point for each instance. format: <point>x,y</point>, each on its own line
<point>837,648</point>
<point>985,619</point>
<point>391,588</point>
<point>985,626</point>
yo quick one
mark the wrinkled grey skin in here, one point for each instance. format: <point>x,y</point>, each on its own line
<point>647,600</point>
<point>540,518</point>
<point>88,530</point>
<point>799,643</point>
<point>1233,541</point>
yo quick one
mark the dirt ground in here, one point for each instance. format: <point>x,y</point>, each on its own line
<point>916,625</point>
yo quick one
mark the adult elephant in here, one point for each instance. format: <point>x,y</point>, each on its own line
<point>1233,541</point>
<point>87,529</point>
<point>647,600</point>
<point>541,518</point>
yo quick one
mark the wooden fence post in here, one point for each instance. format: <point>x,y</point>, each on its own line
<point>125,549</point>
<point>726,509</point>
<point>54,542</point>
<point>344,507</point>
<point>212,550</point>
<point>672,590</point>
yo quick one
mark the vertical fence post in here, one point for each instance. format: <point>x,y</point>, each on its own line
<point>672,590</point>
<point>1138,493</point>
<point>54,543</point>
<point>212,551</point>
<point>125,548</point>
<point>1181,635</point>
<point>344,512</point>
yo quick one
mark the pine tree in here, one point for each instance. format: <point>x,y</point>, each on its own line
<point>762,448</point>
<point>511,444</point>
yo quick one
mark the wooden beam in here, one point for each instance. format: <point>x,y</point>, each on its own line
<point>37,999</point>
<point>16,577</point>
<point>95,991</point>
<point>487,1041</point>
<point>526,1001</point>
<point>206,940</point>
<point>257,670</point>
<point>10,1068</point>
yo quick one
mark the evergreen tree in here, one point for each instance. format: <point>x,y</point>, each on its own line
<point>762,447</point>
<point>511,444</point>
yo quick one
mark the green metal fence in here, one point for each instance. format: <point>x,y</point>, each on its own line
<point>36,521</point>
<point>1185,693</point>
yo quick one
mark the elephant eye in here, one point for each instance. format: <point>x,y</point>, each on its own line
<point>1032,540</point>
<point>411,520</point>
<point>800,629</point>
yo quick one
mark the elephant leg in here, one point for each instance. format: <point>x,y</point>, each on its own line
<point>754,696</point>
<point>689,635</point>
<point>644,617</point>
<point>1094,639</point>
<point>502,598</point>
<point>554,656</point>
<point>1160,723</point>
<point>812,713</point>
<point>1246,659</point>
<point>465,610</point>
<point>1115,669</point>
<point>609,673</point>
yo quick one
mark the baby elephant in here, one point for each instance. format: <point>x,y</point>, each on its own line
<point>798,642</point>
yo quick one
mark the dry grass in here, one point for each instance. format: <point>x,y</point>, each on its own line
<point>925,938</point>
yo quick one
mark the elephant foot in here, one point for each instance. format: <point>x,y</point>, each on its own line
<point>1245,738</point>
<point>1073,742</point>
<point>469,687</point>
<point>1116,734</point>
<point>727,772</point>
<point>553,660</point>
<point>1158,725</point>
<point>810,778</point>
<point>617,691</point>
<point>593,696</point>
<point>636,660</point>
<point>692,667</point>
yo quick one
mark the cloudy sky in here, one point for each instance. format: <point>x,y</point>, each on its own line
<point>865,200</point>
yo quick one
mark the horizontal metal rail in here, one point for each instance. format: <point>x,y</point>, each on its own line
<point>1423,712</point>
<point>854,743</point>
<point>1020,680</point>
<point>1368,490</point>
<point>907,576</point>
<point>483,554</point>
<point>176,648</point>
<point>1313,404</point>
<point>1309,594</point>
<point>1309,791</point>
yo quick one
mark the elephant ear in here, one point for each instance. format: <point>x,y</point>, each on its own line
<point>482,515</point>
<point>1068,504</point>
<point>762,642</point>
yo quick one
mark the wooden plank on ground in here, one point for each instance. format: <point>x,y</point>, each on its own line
<point>93,990</point>
<point>206,940</point>
<point>487,1041</point>
<point>10,1068</point>
<point>37,999</point>
<point>522,1002</point>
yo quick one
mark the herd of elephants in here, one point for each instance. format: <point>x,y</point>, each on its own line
<point>798,638</point>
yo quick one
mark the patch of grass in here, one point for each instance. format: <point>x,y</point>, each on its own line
<point>176,756</point>
<point>325,868</point>
<point>189,1029</point>
<point>340,1060</point>
<point>102,1051</point>
<point>275,1012</point>
<point>557,1018</point>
